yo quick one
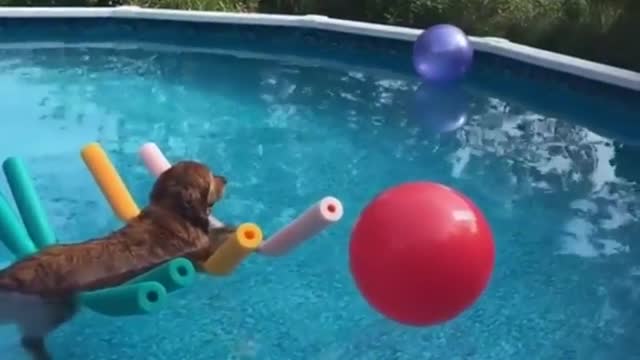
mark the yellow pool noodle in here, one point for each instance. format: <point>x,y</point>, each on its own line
<point>230,254</point>
<point>109,181</point>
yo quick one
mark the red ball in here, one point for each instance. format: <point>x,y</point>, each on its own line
<point>421,253</point>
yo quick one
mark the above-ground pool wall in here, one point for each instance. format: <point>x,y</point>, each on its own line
<point>523,73</point>
<point>242,40</point>
<point>501,47</point>
<point>527,85</point>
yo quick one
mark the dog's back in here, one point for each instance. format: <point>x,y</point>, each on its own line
<point>64,270</point>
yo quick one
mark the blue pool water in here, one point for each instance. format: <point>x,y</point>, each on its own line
<point>289,118</point>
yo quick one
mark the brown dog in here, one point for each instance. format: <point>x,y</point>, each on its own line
<point>38,292</point>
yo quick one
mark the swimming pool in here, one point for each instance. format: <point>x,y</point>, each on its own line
<point>290,116</point>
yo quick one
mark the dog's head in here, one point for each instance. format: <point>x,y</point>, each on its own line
<point>189,189</point>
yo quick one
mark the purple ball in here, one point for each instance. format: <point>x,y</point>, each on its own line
<point>442,53</point>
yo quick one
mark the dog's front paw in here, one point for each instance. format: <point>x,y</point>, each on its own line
<point>223,230</point>
<point>219,236</point>
<point>36,347</point>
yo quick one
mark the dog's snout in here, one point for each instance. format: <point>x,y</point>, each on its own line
<point>222,179</point>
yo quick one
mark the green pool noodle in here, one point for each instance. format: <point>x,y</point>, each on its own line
<point>126,300</point>
<point>31,210</point>
<point>173,275</point>
<point>12,233</point>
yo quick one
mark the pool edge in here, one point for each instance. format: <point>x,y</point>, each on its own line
<point>497,46</point>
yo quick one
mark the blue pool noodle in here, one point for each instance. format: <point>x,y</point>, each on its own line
<point>26,197</point>
<point>12,233</point>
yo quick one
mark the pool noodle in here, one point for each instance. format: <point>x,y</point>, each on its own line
<point>12,233</point>
<point>126,300</point>
<point>172,275</point>
<point>230,254</point>
<point>157,163</point>
<point>111,184</point>
<point>153,159</point>
<point>319,216</point>
<point>27,200</point>
<point>132,298</point>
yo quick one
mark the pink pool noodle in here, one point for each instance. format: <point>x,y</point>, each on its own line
<point>322,214</point>
<point>157,163</point>
<point>153,159</point>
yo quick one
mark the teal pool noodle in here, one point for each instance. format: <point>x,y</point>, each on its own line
<point>126,300</point>
<point>12,233</point>
<point>173,275</point>
<point>28,202</point>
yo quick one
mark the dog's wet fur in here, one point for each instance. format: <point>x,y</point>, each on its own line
<point>38,293</point>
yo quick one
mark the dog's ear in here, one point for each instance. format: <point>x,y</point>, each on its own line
<point>216,188</point>
<point>191,204</point>
<point>184,189</point>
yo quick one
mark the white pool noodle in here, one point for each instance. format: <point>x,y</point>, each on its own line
<point>318,217</point>
<point>157,163</point>
<point>153,159</point>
